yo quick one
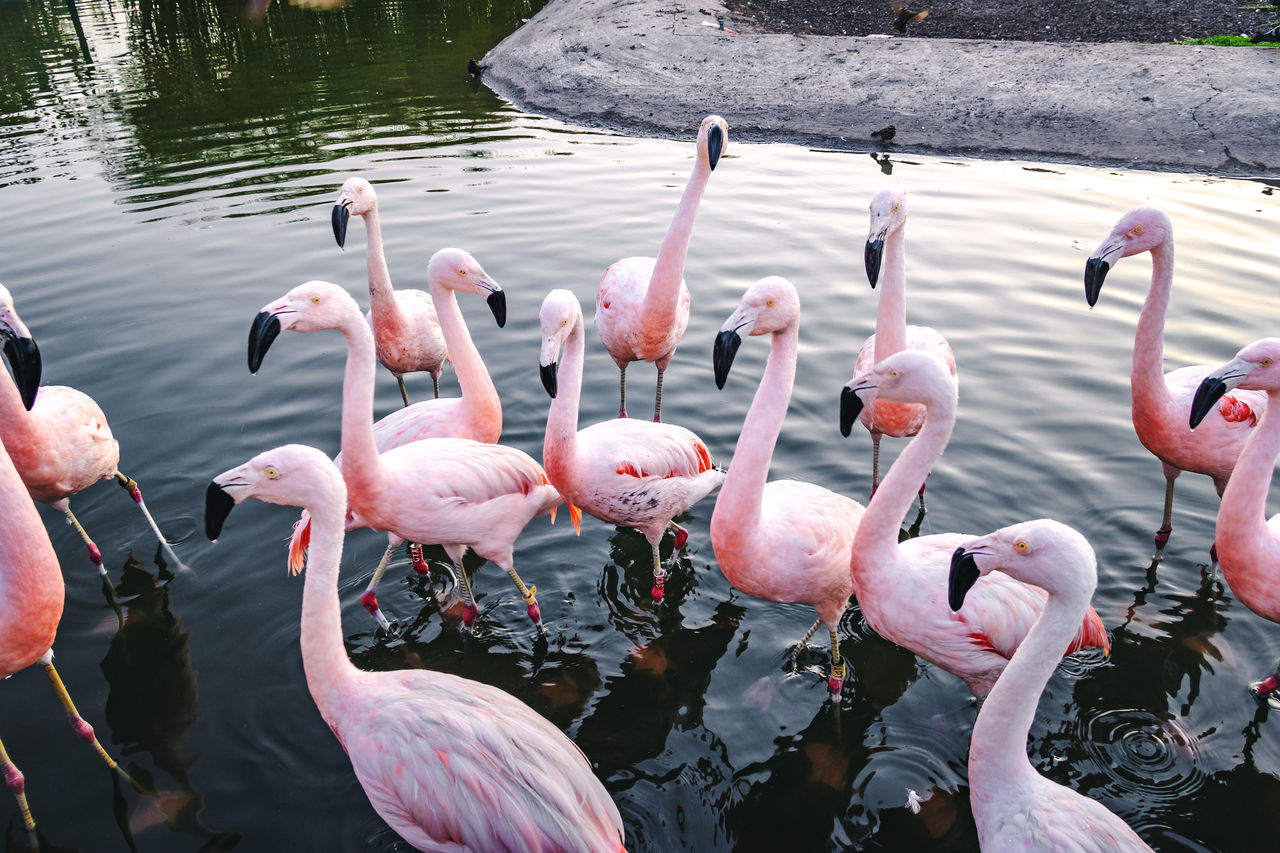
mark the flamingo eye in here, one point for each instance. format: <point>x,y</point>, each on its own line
<point>1022,546</point>
<point>462,272</point>
<point>893,374</point>
<point>1266,362</point>
<point>895,208</point>
<point>564,322</point>
<point>769,301</point>
<point>1137,229</point>
<point>271,472</point>
<point>315,300</point>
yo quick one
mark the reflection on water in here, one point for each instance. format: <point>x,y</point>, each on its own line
<point>167,167</point>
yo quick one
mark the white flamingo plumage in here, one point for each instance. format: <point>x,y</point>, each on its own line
<point>63,444</point>
<point>455,492</point>
<point>1014,807</point>
<point>1248,544</point>
<point>404,322</point>
<point>786,540</point>
<point>900,585</point>
<point>642,304</point>
<point>1162,401</point>
<point>633,473</point>
<point>449,763</point>
<point>886,250</point>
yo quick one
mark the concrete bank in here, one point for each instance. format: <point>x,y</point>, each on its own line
<point>656,67</point>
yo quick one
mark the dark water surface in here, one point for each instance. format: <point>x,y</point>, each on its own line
<point>168,168</point>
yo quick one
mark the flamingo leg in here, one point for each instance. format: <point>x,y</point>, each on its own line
<point>17,784</point>
<point>419,564</point>
<point>471,612</point>
<point>82,728</point>
<point>529,594</point>
<point>94,554</point>
<point>1166,525</point>
<point>875,461</point>
<point>404,392</point>
<point>370,597</point>
<point>131,486</point>
<point>835,681</point>
<point>622,387</point>
<point>657,403</point>
<point>808,635</point>
<point>681,537</point>
<point>659,575</point>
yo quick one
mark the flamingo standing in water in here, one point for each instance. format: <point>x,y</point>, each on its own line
<point>449,763</point>
<point>632,473</point>
<point>1248,544</point>
<point>1162,402</point>
<point>642,304</point>
<point>31,590</point>
<point>456,492</point>
<point>886,244</point>
<point>785,541</point>
<point>63,444</point>
<point>1014,807</point>
<point>404,322</point>
<point>899,585</point>
<point>477,414</point>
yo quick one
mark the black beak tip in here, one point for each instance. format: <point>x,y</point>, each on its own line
<point>1095,272</point>
<point>715,145</point>
<point>1206,397</point>
<point>964,574</point>
<point>265,329</point>
<point>722,354</point>
<point>548,372</point>
<point>24,358</point>
<point>872,256</point>
<point>217,506</point>
<point>850,408</point>
<point>341,215</point>
<point>498,305</point>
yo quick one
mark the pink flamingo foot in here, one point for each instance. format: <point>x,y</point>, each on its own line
<point>535,614</point>
<point>622,411</point>
<point>659,585</point>
<point>835,685</point>
<point>469,614</point>
<point>419,565</point>
<point>369,600</point>
<point>1162,536</point>
<point>96,556</point>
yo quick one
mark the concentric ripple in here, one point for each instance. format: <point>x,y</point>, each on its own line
<point>1144,758</point>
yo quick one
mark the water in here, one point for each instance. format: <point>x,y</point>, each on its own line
<point>173,172</point>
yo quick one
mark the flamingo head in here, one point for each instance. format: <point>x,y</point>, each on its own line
<point>1140,230</point>
<point>888,213</point>
<point>560,315</point>
<point>356,196</point>
<point>292,475</point>
<point>1043,553</point>
<point>309,307</point>
<point>909,376</point>
<point>20,349</point>
<point>455,269</point>
<point>770,305</point>
<point>713,139</point>
<point>1256,368</point>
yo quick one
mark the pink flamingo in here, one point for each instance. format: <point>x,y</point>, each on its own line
<point>1248,544</point>
<point>449,763</point>
<point>1014,807</point>
<point>30,577</point>
<point>453,491</point>
<point>785,541</point>
<point>887,238</point>
<point>1162,402</point>
<point>632,473</point>
<point>63,444</point>
<point>404,322</point>
<point>899,584</point>
<point>642,304</point>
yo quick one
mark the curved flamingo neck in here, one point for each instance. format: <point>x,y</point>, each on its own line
<point>1147,379</point>
<point>878,531</point>
<point>740,496</point>
<point>382,297</point>
<point>998,750</point>
<point>361,464</point>
<point>891,313</point>
<point>662,299</point>
<point>324,657</point>
<point>18,428</point>
<point>1242,516</point>
<point>480,401</point>
<point>560,442</point>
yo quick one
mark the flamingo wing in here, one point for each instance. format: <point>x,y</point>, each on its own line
<point>467,470</point>
<point>639,448</point>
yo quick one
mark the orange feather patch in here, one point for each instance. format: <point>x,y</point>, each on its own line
<point>1093,634</point>
<point>1235,410</point>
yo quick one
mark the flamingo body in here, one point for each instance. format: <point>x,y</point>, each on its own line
<point>450,764</point>
<point>62,446</point>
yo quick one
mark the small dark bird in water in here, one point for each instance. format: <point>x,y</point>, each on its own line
<point>1272,34</point>
<point>885,134</point>
<point>475,68</point>
<point>906,16</point>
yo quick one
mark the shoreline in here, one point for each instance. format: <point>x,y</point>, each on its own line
<point>656,67</point>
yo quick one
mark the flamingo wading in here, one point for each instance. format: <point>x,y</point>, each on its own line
<point>642,304</point>
<point>786,540</point>
<point>1014,807</point>
<point>449,763</point>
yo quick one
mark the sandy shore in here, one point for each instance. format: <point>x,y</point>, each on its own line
<point>658,66</point>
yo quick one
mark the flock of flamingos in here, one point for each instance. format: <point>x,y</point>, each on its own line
<point>454,764</point>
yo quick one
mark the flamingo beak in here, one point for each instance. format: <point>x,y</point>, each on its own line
<point>498,305</point>
<point>872,257</point>
<point>217,506</point>
<point>722,354</point>
<point>964,574</point>
<point>548,372</point>
<point>1095,271</point>
<point>24,358</point>
<point>1215,385</point>
<point>850,407</point>
<point>715,145</point>
<point>265,329</point>
<point>341,215</point>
